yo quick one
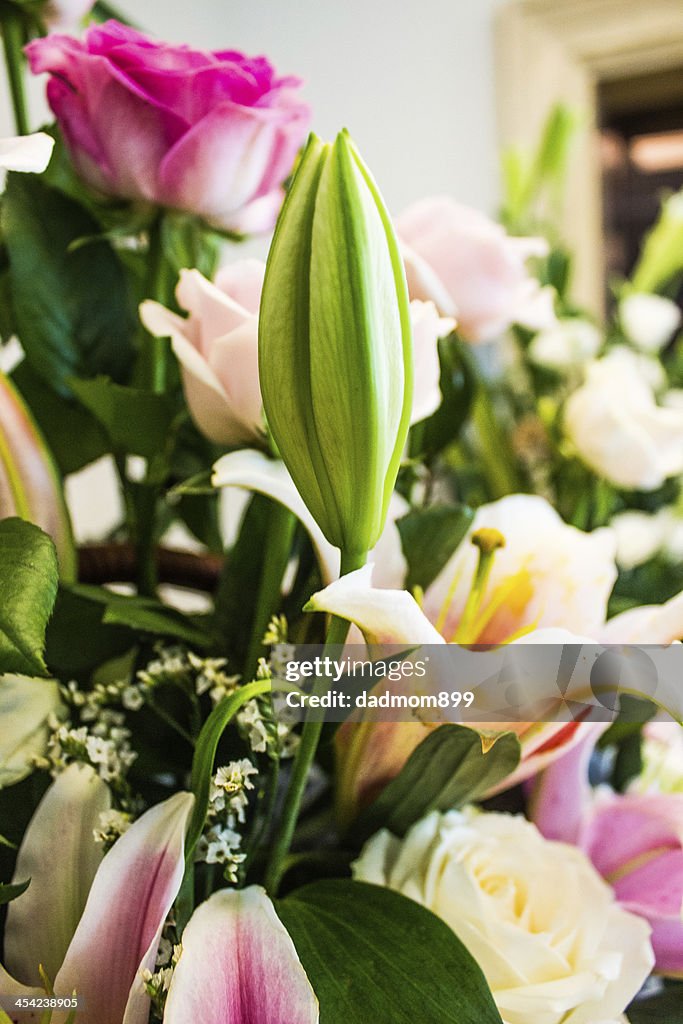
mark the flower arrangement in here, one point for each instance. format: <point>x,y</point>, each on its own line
<point>435,447</point>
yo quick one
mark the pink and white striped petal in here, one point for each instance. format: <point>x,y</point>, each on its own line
<point>118,935</point>
<point>60,856</point>
<point>239,966</point>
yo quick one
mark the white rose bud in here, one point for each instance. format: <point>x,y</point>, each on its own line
<point>571,343</point>
<point>640,535</point>
<point>649,321</point>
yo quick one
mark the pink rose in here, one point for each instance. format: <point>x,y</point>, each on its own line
<point>634,840</point>
<point>215,134</point>
<point>470,268</point>
<point>217,347</point>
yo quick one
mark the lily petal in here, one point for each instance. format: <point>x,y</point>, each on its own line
<point>30,486</point>
<point>25,705</point>
<point>384,616</point>
<point>651,624</point>
<point>562,794</point>
<point>10,988</point>
<point>239,965</point>
<point>60,856</point>
<point>254,471</point>
<point>118,935</point>
<point>26,152</point>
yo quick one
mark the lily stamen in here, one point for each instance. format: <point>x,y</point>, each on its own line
<point>487,540</point>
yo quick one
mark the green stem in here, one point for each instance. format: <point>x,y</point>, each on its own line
<point>105,11</point>
<point>170,721</point>
<point>281,526</point>
<point>13,42</point>
<point>497,456</point>
<point>310,737</point>
<point>145,540</point>
<point>156,349</point>
<point>154,373</point>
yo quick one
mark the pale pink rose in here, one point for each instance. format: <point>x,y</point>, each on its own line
<point>470,268</point>
<point>217,347</point>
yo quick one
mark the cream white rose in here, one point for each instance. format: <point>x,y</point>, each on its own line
<point>536,916</point>
<point>617,427</point>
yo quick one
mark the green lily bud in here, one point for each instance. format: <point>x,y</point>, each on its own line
<point>29,482</point>
<point>335,346</point>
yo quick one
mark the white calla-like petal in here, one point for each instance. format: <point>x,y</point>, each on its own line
<point>253,471</point>
<point>29,153</point>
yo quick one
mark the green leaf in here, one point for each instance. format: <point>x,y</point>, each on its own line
<point>454,765</point>
<point>76,438</point>
<point>72,308</point>
<point>664,1008</point>
<point>76,616</point>
<point>136,421</point>
<point>205,754</point>
<point>374,955</point>
<point>142,615</point>
<point>6,842</point>
<point>429,537</point>
<point>28,584</point>
<point>458,385</point>
<point>235,605</point>
<point>10,892</point>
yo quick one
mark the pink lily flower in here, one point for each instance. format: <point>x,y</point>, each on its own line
<point>634,840</point>
<point>93,922</point>
<point>239,965</point>
<point>29,481</point>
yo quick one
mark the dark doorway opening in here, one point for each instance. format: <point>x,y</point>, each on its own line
<point>641,125</point>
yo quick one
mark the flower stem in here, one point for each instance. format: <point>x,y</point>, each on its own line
<point>13,41</point>
<point>497,456</point>
<point>310,737</point>
<point>154,372</point>
<point>281,526</point>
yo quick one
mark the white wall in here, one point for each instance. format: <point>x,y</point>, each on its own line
<point>411,79</point>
